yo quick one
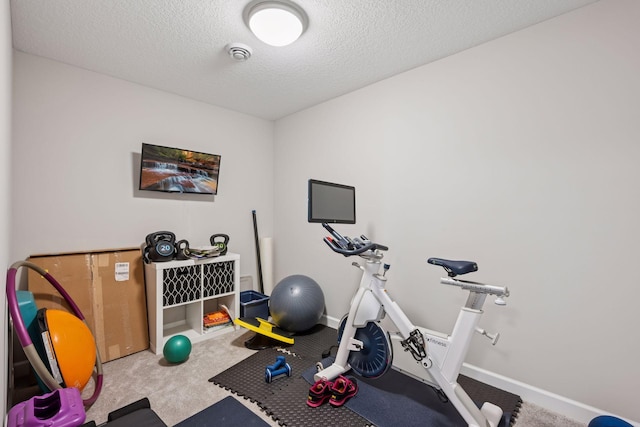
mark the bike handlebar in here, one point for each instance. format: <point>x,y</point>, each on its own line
<point>356,248</point>
<point>348,247</point>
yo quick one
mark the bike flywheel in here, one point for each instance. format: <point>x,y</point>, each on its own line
<point>376,355</point>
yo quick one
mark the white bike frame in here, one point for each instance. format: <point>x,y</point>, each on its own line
<point>444,354</point>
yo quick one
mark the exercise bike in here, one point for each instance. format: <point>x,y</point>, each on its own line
<point>428,356</point>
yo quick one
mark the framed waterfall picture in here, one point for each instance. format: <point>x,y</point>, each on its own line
<point>175,170</point>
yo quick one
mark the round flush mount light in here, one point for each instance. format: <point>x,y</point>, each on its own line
<point>276,22</point>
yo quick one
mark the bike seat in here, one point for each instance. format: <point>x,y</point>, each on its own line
<point>454,268</point>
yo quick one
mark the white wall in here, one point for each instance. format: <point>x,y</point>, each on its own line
<point>5,164</point>
<point>520,154</point>
<point>77,140</point>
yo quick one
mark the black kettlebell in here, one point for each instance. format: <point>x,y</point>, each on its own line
<point>160,247</point>
<point>182,249</point>
<point>221,241</point>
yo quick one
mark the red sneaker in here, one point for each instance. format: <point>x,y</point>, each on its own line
<point>343,389</point>
<point>319,393</point>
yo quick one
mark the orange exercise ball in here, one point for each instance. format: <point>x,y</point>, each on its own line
<point>73,346</point>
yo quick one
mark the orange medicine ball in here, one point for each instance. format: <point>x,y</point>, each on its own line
<point>73,346</point>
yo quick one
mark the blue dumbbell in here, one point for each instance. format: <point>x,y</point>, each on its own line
<point>277,369</point>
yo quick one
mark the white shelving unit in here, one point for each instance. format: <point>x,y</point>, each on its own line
<point>179,293</point>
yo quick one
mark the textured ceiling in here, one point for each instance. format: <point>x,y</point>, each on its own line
<point>178,45</point>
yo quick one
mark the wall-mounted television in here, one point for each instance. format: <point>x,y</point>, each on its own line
<point>331,203</point>
<point>175,170</point>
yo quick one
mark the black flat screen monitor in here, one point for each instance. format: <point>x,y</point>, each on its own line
<point>174,170</point>
<point>331,203</point>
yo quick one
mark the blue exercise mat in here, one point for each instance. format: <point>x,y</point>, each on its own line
<point>228,413</point>
<point>396,399</point>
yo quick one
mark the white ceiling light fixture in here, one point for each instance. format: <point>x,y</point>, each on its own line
<point>276,22</point>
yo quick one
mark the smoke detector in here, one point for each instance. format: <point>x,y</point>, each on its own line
<point>239,51</point>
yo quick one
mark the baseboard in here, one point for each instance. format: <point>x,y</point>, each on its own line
<point>331,322</point>
<point>545,399</point>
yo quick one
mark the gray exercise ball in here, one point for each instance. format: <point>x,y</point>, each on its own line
<point>296,303</point>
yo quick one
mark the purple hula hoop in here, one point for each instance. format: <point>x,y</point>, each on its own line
<point>21,330</point>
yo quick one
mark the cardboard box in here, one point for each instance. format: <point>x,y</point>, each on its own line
<point>109,289</point>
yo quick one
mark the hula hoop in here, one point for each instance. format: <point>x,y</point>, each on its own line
<point>25,340</point>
